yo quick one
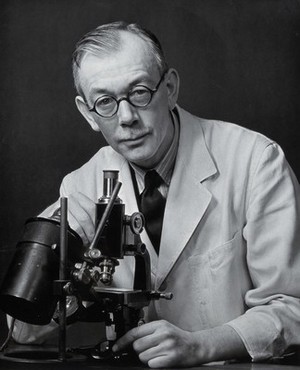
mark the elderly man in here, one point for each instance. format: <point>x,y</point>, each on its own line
<point>229,245</point>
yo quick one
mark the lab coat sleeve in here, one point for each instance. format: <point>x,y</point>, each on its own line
<point>272,322</point>
<point>81,209</point>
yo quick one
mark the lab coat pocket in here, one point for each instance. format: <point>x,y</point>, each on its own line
<point>220,280</point>
<point>222,256</point>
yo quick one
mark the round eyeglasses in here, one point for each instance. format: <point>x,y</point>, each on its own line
<point>140,96</point>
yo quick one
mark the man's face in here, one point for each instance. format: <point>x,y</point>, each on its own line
<point>141,135</point>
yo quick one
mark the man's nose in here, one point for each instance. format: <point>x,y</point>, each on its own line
<point>126,113</point>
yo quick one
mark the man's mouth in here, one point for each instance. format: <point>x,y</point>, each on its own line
<point>134,138</point>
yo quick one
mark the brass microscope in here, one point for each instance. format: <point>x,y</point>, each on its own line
<point>52,275</point>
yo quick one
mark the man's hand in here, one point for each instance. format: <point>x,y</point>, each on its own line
<point>161,344</point>
<point>81,216</point>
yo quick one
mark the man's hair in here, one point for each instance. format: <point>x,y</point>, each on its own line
<point>107,38</point>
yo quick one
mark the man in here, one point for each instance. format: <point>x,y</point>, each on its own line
<point>228,248</point>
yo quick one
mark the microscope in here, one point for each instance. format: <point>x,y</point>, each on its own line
<point>52,275</point>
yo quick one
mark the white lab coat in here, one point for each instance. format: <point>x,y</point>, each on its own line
<point>230,240</point>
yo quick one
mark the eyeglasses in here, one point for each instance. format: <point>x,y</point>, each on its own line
<point>140,96</point>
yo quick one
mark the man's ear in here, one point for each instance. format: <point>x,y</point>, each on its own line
<point>172,79</point>
<point>83,109</point>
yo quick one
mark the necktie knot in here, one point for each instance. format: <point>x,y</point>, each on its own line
<point>152,179</point>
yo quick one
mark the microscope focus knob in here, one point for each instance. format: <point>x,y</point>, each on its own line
<point>136,222</point>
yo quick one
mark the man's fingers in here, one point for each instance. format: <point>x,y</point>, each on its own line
<point>132,335</point>
<point>146,342</point>
<point>160,361</point>
<point>127,339</point>
<point>150,353</point>
<point>81,214</point>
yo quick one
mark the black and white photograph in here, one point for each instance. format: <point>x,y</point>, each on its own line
<point>150,198</point>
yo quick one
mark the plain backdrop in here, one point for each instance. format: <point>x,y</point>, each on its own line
<point>238,61</point>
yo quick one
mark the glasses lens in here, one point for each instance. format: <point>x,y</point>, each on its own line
<point>106,106</point>
<point>140,96</point>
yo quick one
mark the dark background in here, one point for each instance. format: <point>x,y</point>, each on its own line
<point>238,61</point>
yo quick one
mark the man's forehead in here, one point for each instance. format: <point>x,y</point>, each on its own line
<point>131,49</point>
<point>132,58</point>
<point>116,71</point>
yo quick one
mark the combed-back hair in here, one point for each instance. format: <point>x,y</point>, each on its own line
<point>106,39</point>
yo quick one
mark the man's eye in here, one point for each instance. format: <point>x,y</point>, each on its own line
<point>139,92</point>
<point>105,101</point>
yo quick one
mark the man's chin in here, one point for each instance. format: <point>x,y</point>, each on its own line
<point>142,155</point>
<point>142,161</point>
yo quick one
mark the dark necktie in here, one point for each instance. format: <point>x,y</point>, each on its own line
<point>152,205</point>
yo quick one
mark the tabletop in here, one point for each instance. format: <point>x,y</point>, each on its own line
<point>31,358</point>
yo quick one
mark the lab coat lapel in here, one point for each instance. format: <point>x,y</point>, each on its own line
<point>187,199</point>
